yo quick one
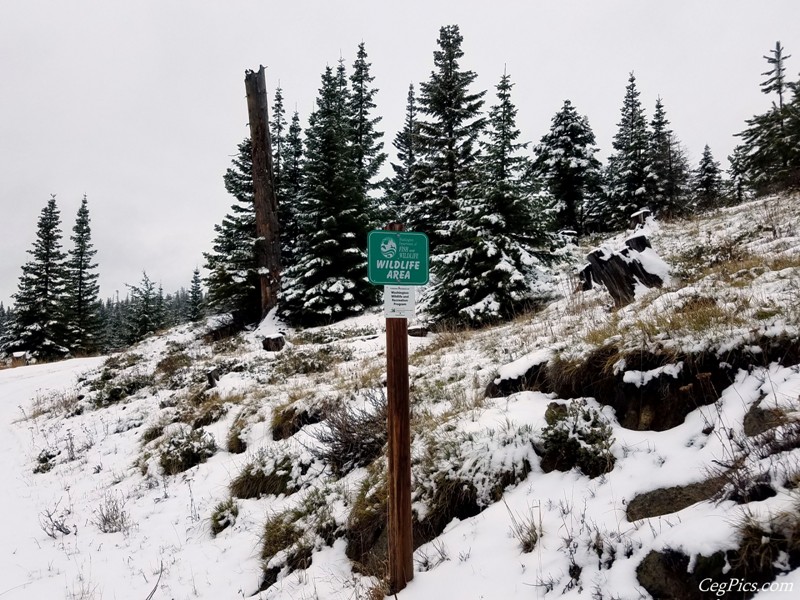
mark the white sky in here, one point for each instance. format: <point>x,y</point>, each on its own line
<point>140,105</point>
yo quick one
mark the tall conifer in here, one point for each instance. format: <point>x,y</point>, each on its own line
<point>82,291</point>
<point>38,323</point>
<point>448,142</point>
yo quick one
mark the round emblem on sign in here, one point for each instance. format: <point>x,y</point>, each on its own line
<point>388,247</point>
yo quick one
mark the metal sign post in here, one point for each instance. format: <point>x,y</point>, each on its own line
<point>396,258</point>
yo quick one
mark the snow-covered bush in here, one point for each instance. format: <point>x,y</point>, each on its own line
<point>185,448</point>
<point>576,435</point>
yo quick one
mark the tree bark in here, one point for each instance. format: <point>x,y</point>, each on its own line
<point>267,244</point>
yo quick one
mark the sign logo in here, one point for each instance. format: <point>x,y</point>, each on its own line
<point>388,247</point>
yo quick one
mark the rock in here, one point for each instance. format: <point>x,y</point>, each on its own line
<point>273,343</point>
<point>418,331</point>
<point>619,271</point>
<point>213,378</point>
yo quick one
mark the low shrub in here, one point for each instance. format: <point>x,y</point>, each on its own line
<point>576,436</point>
<point>271,472</point>
<point>224,515</point>
<point>185,449</point>
<point>353,436</point>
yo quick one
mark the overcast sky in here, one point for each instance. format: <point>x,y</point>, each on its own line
<point>140,105</point>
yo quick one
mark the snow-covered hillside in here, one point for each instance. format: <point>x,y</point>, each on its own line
<point>651,451</point>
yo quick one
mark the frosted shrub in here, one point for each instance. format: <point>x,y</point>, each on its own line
<point>186,448</point>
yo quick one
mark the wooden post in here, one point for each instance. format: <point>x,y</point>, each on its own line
<point>401,548</point>
<point>267,245</point>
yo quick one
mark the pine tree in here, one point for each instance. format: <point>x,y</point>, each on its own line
<point>291,184</point>
<point>277,127</point>
<point>195,309</point>
<point>488,272</point>
<point>448,142</point>
<point>327,281</point>
<point>38,323</point>
<point>145,312</point>
<point>367,145</point>
<point>82,290</point>
<point>628,175</point>
<point>736,183</point>
<point>669,171</point>
<point>233,280</point>
<point>565,163</point>
<point>399,187</point>
<point>707,182</point>
<point>770,152</point>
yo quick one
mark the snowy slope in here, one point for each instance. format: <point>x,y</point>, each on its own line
<point>98,457</point>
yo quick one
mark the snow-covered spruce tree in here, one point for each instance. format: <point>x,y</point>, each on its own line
<point>566,165</point>
<point>5,317</point>
<point>488,271</point>
<point>328,280</point>
<point>770,156</point>
<point>399,187</point>
<point>289,193</point>
<point>145,314</point>
<point>448,142</point>
<point>196,308</point>
<point>38,323</point>
<point>367,145</point>
<point>282,168</point>
<point>707,182</point>
<point>735,186</point>
<point>277,132</point>
<point>233,280</point>
<point>81,294</point>
<point>628,176</point>
<point>670,174</point>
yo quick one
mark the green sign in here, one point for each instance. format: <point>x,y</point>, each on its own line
<point>397,258</point>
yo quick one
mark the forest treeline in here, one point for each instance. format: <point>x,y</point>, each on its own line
<point>495,209</point>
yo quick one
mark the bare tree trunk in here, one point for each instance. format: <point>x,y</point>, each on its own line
<point>267,247</point>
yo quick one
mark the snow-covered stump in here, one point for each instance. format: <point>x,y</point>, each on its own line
<point>620,271</point>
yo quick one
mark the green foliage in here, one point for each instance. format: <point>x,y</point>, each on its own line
<point>628,175</point>
<point>81,293</point>
<point>577,437</point>
<point>233,278</point>
<point>447,158</point>
<point>185,449</point>
<point>565,163</point>
<point>38,325</point>
<point>487,269</point>
<point>327,283</point>
<point>707,181</point>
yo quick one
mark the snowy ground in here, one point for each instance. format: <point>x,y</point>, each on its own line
<point>99,463</point>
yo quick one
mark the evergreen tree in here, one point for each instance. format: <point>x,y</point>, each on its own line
<point>327,282</point>
<point>367,145</point>
<point>736,184</point>
<point>291,184</point>
<point>669,170</point>
<point>565,163</point>
<point>707,181</point>
<point>144,315</point>
<point>488,272</point>
<point>233,279</point>
<point>399,187</point>
<point>448,142</point>
<point>628,175</point>
<point>770,149</point>
<point>38,323</point>
<point>195,309</point>
<point>277,126</point>
<point>82,290</point>
<point>4,319</point>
